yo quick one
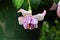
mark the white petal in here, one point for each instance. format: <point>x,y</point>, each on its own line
<point>58,9</point>
<point>40,17</point>
<point>36,26</point>
<point>20,20</point>
<point>24,12</point>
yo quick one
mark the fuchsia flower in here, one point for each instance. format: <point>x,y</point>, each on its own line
<point>58,9</point>
<point>54,7</point>
<point>30,21</point>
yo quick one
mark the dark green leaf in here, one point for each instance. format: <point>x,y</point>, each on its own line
<point>18,3</point>
<point>56,1</point>
<point>35,3</point>
<point>25,5</point>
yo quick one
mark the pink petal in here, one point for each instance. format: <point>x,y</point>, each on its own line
<point>53,7</point>
<point>34,21</point>
<point>58,9</point>
<point>29,20</point>
<point>25,26</point>
<point>25,23</point>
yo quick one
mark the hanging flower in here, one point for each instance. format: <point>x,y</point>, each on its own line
<point>30,21</point>
<point>58,9</point>
<point>53,7</point>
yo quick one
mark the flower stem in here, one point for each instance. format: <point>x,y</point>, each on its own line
<point>29,8</point>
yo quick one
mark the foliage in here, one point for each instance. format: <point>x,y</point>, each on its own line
<point>11,30</point>
<point>17,3</point>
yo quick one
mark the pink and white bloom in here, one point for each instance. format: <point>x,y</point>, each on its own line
<point>58,9</point>
<point>30,21</point>
<point>53,7</point>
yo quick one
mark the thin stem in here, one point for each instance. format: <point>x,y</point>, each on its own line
<point>29,6</point>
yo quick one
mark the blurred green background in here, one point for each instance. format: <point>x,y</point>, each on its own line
<point>11,30</point>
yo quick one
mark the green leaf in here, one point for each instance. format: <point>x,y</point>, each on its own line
<point>56,1</point>
<point>25,5</point>
<point>35,3</point>
<point>45,27</point>
<point>46,2</point>
<point>18,3</point>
